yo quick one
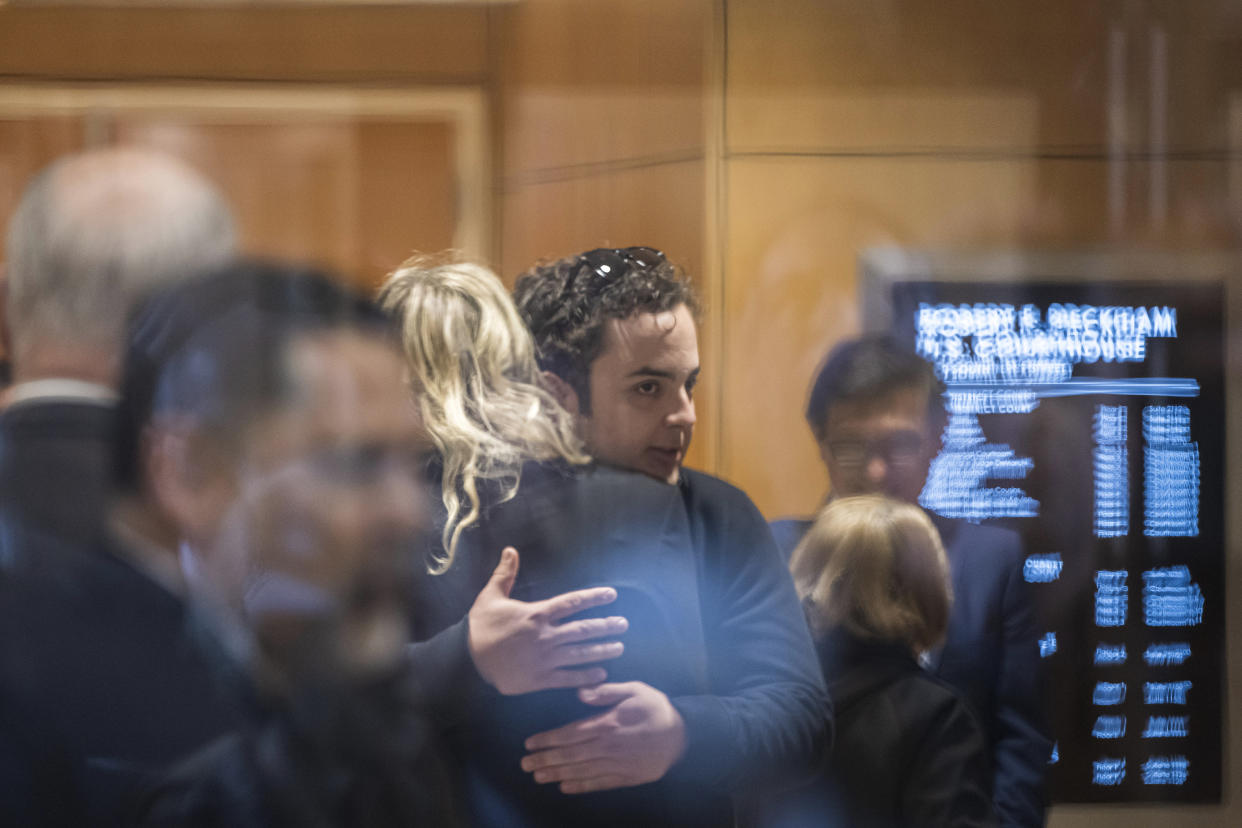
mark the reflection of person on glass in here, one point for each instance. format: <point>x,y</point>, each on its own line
<point>513,476</point>
<point>875,410</point>
<point>616,335</point>
<point>266,436</point>
<point>908,751</point>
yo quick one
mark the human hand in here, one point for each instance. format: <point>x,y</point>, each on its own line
<point>636,741</point>
<point>520,647</point>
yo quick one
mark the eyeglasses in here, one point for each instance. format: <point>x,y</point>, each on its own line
<point>610,263</point>
<point>897,450</point>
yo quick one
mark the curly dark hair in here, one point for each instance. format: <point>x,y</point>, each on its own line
<point>567,303</point>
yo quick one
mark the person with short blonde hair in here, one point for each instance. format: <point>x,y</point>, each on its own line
<point>876,567</point>
<point>909,751</point>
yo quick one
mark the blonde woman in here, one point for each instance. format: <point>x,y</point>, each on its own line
<point>471,369</point>
<point>874,582</point>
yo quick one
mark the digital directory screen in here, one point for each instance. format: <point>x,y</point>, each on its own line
<point>1089,417</point>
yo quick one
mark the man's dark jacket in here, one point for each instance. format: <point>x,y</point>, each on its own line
<point>991,655</point>
<point>326,753</point>
<point>714,624</point>
<point>56,466</point>
<point>105,682</point>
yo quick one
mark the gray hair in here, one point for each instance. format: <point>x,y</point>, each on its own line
<point>95,231</point>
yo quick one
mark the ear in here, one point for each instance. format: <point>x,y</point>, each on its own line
<point>187,477</point>
<point>562,391</point>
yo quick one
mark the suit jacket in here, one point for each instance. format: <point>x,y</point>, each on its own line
<point>105,681</point>
<point>909,751</point>
<point>991,655</point>
<point>56,467</point>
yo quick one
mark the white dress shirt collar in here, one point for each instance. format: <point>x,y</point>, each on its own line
<point>59,389</point>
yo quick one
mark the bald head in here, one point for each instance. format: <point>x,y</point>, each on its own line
<point>92,233</point>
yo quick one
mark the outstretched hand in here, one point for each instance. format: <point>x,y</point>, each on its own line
<point>635,741</point>
<point>521,647</point>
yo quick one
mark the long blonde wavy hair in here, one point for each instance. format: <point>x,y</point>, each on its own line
<point>473,370</point>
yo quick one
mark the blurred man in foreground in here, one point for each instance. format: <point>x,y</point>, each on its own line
<point>251,578</point>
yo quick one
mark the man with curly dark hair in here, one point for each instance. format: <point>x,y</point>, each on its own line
<point>616,336</point>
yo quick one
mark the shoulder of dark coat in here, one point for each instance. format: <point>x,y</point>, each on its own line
<point>705,488</point>
<point>980,542</point>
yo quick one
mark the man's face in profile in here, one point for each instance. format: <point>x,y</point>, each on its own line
<point>329,501</point>
<point>879,446</point>
<point>642,393</point>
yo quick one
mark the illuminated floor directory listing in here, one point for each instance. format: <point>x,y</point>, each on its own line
<point>1089,417</point>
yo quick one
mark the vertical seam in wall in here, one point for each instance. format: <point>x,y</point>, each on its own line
<point>495,91</point>
<point>719,173</point>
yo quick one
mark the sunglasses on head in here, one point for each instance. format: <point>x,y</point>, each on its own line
<point>609,263</point>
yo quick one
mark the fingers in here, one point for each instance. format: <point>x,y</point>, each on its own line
<point>545,763</point>
<point>562,679</point>
<point>565,605</point>
<point>573,733</point>
<point>586,653</point>
<point>577,771</point>
<point>505,572</point>
<point>606,695</point>
<point>587,629</point>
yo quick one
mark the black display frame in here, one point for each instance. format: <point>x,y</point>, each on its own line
<point>893,283</point>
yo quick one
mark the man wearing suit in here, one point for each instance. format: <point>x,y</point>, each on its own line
<point>266,441</point>
<point>875,412</point>
<point>91,233</point>
<point>616,336</point>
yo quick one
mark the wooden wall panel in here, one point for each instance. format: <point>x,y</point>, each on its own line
<point>797,228</point>
<point>660,206</point>
<point>363,44</point>
<point>585,83</point>
<point>1055,51</point>
<point>355,196</point>
<point>408,197</point>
